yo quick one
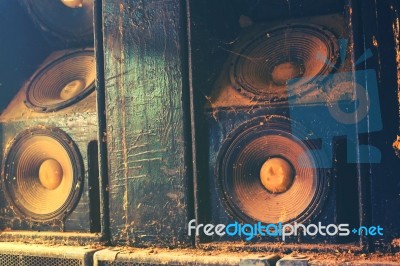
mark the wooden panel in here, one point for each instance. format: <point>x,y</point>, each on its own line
<point>382,187</point>
<point>145,97</point>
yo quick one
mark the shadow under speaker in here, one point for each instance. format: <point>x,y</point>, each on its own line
<point>69,22</point>
<point>267,147</point>
<point>49,149</point>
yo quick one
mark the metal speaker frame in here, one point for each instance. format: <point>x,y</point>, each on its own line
<point>29,254</point>
<point>62,82</point>
<point>263,63</point>
<point>20,174</point>
<point>238,172</point>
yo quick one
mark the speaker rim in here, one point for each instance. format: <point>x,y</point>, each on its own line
<point>234,212</point>
<point>77,167</point>
<point>243,46</point>
<point>64,104</point>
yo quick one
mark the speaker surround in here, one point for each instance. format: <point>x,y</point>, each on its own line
<point>24,160</point>
<point>62,83</point>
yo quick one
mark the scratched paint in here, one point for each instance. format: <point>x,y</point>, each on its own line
<point>145,117</point>
<point>396,33</point>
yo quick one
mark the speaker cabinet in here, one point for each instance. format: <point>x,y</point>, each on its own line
<point>31,255</point>
<point>279,109</point>
<point>49,161</point>
<point>147,123</point>
<point>67,23</point>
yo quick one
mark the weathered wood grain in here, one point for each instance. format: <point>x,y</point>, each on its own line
<point>144,88</point>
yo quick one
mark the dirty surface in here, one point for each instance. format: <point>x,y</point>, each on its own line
<point>145,121</point>
<point>82,128</point>
<point>227,256</point>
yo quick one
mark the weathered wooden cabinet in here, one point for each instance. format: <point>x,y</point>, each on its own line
<point>147,121</point>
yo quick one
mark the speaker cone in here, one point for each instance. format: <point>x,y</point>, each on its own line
<point>265,65</point>
<point>68,20</point>
<point>62,83</point>
<point>267,173</point>
<point>42,173</point>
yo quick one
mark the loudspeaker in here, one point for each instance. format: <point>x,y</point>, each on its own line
<point>64,23</point>
<point>147,111</point>
<point>31,255</point>
<point>278,110</point>
<point>49,154</point>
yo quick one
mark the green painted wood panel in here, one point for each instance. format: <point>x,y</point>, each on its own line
<point>146,130</point>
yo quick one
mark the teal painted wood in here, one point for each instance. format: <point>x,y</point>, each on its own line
<point>145,110</point>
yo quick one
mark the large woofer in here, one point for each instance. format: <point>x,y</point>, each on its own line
<point>63,82</point>
<point>267,173</point>
<point>43,174</point>
<point>264,66</point>
<point>68,20</point>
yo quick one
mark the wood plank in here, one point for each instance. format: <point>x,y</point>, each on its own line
<point>145,94</point>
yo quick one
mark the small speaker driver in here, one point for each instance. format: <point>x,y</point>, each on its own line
<point>63,82</point>
<point>267,173</point>
<point>264,64</point>
<point>43,174</point>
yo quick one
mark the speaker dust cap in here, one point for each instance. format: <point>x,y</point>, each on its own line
<point>264,64</point>
<point>63,82</point>
<point>265,172</point>
<point>43,174</point>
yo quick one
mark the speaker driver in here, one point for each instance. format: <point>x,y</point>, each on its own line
<point>62,83</point>
<point>267,173</point>
<point>68,20</point>
<point>263,67</point>
<point>43,174</point>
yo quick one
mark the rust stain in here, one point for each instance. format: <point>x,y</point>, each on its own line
<point>123,105</point>
<point>396,242</point>
<point>375,41</point>
<point>396,146</point>
<point>396,33</point>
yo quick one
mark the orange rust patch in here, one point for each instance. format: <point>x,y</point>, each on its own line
<point>396,146</point>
